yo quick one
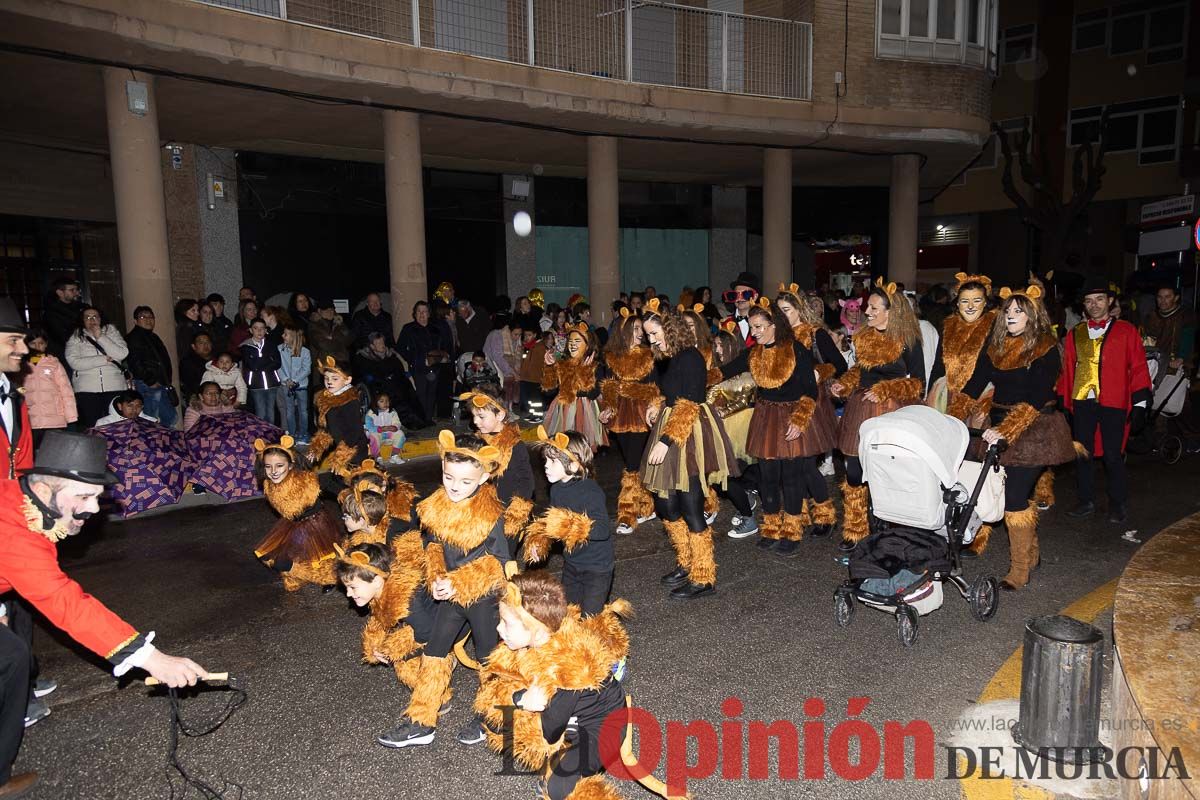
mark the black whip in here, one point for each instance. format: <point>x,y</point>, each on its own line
<point>174,769</point>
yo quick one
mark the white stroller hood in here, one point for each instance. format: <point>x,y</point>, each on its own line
<point>907,457</point>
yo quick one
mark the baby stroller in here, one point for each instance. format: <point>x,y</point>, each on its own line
<point>922,515</point>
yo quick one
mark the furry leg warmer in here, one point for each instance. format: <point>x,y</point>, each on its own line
<point>703,567</point>
<point>627,499</point>
<point>1043,491</point>
<point>794,525</point>
<point>823,513</point>
<point>1022,543</point>
<point>772,526</point>
<point>678,533</point>
<point>980,542</point>
<point>432,689</point>
<point>855,527</point>
<point>712,503</point>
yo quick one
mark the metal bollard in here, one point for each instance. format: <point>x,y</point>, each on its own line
<point>1061,676</point>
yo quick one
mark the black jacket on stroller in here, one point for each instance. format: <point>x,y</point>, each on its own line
<point>887,552</point>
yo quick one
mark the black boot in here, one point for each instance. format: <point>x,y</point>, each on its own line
<point>788,548</point>
<point>674,578</point>
<point>819,531</point>
<point>690,591</point>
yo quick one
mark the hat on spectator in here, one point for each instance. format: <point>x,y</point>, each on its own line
<point>1095,284</point>
<point>75,456</point>
<point>10,319</point>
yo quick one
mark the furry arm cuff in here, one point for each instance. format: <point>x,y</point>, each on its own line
<point>569,527</point>
<point>902,389</point>
<point>640,392</point>
<point>516,515</point>
<point>849,381</point>
<point>320,442</point>
<point>609,391</point>
<point>396,644</point>
<point>825,372</point>
<point>476,579</point>
<point>550,378</point>
<point>435,562</point>
<point>959,405</point>
<point>802,413</point>
<point>1017,421</point>
<point>340,458</point>
<point>678,427</point>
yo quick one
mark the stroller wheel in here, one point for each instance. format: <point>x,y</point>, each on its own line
<point>1171,449</point>
<point>906,625</point>
<point>843,608</point>
<point>983,598</point>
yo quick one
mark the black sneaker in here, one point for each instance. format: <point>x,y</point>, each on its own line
<point>407,734</point>
<point>676,577</point>
<point>765,543</point>
<point>819,531</point>
<point>472,732</point>
<point>1117,513</point>
<point>846,546</point>
<point>1084,509</point>
<point>788,548</point>
<point>690,591</point>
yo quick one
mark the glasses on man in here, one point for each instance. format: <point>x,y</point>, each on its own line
<point>732,296</point>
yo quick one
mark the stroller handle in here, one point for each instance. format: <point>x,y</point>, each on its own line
<point>999,447</point>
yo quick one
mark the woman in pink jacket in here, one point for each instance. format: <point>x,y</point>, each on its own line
<point>48,392</point>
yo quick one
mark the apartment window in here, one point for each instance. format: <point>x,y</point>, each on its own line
<point>991,152</point>
<point>947,31</point>
<point>1018,44</point>
<point>1091,30</point>
<point>1148,127</point>
<point>1159,28</point>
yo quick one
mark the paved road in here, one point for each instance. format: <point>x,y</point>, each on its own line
<point>307,732</point>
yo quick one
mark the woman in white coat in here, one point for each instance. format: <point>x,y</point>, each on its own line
<point>96,352</point>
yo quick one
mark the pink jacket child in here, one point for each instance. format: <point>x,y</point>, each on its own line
<point>48,394</point>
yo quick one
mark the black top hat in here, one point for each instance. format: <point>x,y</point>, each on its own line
<point>75,456</point>
<point>10,320</point>
<point>1095,284</point>
<point>746,279</point>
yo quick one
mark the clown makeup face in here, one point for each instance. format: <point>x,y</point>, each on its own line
<point>971,303</point>
<point>276,466</point>
<point>488,419</point>
<point>789,311</point>
<point>460,479</point>
<point>335,380</point>
<point>1015,319</point>
<point>877,313</point>
<point>576,345</point>
<point>363,592</point>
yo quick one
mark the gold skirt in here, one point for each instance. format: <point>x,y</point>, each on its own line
<point>706,454</point>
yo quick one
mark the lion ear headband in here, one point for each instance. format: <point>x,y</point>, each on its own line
<point>285,444</point>
<point>790,288</point>
<point>487,457</point>
<point>963,278</point>
<point>654,306</point>
<point>559,442</point>
<point>888,288</point>
<point>329,364</point>
<point>1033,292</point>
<point>359,559</point>
<point>481,400</point>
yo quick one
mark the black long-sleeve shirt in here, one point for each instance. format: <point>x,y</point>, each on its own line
<point>584,496</point>
<point>517,480</point>
<point>496,544</point>
<point>1034,384</point>
<point>910,364</point>
<point>827,352</point>
<point>801,383</point>
<point>685,376</point>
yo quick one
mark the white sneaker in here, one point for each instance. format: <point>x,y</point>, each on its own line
<point>709,519</point>
<point>744,527</point>
<point>826,468</point>
<point>652,515</point>
<point>395,459</point>
<point>624,529</point>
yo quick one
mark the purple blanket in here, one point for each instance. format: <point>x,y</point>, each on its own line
<point>221,449</point>
<point>150,461</point>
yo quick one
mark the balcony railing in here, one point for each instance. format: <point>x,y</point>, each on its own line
<point>643,42</point>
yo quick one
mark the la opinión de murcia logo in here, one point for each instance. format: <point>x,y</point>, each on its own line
<point>853,749</point>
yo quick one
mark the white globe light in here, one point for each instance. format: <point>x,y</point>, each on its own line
<point>522,224</point>
<point>1131,70</point>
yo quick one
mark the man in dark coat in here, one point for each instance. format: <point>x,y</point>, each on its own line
<point>61,316</point>
<point>372,319</point>
<point>382,370</point>
<point>426,346</point>
<point>473,327</point>
<point>150,364</point>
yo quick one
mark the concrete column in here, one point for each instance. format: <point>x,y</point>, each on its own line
<point>520,251</point>
<point>220,239</point>
<point>902,220</point>
<point>133,147</point>
<point>405,212</point>
<point>777,219</point>
<point>604,268</point>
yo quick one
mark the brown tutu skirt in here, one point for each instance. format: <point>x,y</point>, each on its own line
<point>768,427</point>
<point>1045,443</point>
<point>310,538</point>
<point>857,411</point>
<point>629,416</point>
<point>707,453</point>
<point>821,436</point>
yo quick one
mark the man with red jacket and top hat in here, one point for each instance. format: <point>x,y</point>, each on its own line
<point>741,294</point>
<point>16,435</point>
<point>1105,385</point>
<point>49,503</point>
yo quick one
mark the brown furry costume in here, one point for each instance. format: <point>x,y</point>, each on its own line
<point>628,394</point>
<point>855,526</point>
<point>772,366</point>
<point>772,526</point>
<point>713,376</point>
<point>519,508</point>
<point>678,427</point>
<point>1022,545</point>
<point>702,569</point>
<point>633,501</point>
<point>794,524</point>
<point>579,656</point>
<point>465,525</point>
<point>385,631</point>
<point>962,342</point>
<point>678,533</point>
<point>305,534</point>
<point>324,401</point>
<point>571,377</point>
<point>556,525</point>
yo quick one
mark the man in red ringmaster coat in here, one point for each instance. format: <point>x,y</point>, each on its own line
<point>1105,385</point>
<point>16,436</point>
<point>49,503</point>
<point>742,293</point>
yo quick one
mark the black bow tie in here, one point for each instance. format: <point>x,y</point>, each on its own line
<point>9,392</point>
<point>740,319</point>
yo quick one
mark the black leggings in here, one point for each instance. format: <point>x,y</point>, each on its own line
<point>1018,486</point>
<point>814,481</point>
<point>577,763</point>
<point>632,447</point>
<point>688,506</point>
<point>782,485</point>
<point>739,488</point>
<point>854,473</point>
<point>451,620</point>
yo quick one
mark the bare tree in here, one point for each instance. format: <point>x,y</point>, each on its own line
<point>1058,222</point>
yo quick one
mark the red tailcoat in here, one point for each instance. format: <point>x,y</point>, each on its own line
<point>1124,376</point>
<point>29,566</point>
<point>15,461</point>
<point>738,331</point>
